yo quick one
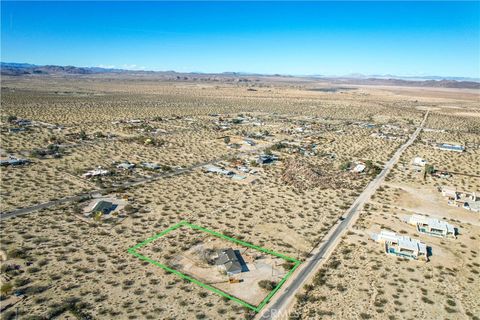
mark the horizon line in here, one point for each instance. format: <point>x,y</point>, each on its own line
<point>352,75</point>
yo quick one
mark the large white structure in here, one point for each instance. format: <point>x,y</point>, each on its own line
<point>401,246</point>
<point>431,226</point>
<point>451,147</point>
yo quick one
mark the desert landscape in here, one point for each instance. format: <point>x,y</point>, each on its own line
<point>107,162</point>
<point>229,160</point>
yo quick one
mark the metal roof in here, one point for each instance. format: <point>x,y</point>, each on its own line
<point>454,147</point>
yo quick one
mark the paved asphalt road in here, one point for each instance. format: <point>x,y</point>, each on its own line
<point>279,305</point>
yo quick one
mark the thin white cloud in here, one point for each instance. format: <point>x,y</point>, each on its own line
<point>132,67</point>
<point>106,66</point>
<point>123,66</point>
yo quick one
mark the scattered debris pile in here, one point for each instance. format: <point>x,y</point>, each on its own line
<point>305,176</point>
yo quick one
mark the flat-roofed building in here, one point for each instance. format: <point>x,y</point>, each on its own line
<point>417,161</point>
<point>359,168</point>
<point>466,200</point>
<point>401,246</point>
<point>431,226</point>
<point>450,193</point>
<point>451,147</point>
<point>95,173</point>
<point>214,169</point>
<point>104,207</point>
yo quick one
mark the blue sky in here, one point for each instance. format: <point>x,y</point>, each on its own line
<point>329,38</point>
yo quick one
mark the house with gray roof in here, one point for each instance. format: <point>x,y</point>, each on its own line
<point>210,168</point>
<point>150,165</point>
<point>104,207</point>
<point>231,261</point>
<point>266,159</point>
<point>12,161</point>
<point>126,166</point>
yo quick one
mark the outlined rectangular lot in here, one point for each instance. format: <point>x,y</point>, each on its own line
<point>134,250</point>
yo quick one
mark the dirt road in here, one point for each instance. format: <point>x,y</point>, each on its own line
<point>97,192</point>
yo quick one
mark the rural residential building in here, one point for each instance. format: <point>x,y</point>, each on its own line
<point>417,161</point>
<point>214,169</point>
<point>359,168</point>
<point>431,226</point>
<point>23,122</point>
<point>13,162</point>
<point>149,165</point>
<point>126,165</point>
<point>451,147</point>
<point>450,193</point>
<point>266,159</point>
<point>466,200</point>
<point>231,261</point>
<point>401,246</point>
<point>15,130</point>
<point>95,173</point>
<point>103,206</point>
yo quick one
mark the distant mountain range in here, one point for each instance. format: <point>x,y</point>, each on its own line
<point>25,69</point>
<point>18,69</point>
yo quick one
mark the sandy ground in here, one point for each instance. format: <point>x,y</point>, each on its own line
<point>372,285</point>
<point>65,264</point>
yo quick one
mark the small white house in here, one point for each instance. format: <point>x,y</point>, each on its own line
<point>95,173</point>
<point>359,168</point>
<point>450,193</point>
<point>150,165</point>
<point>417,161</point>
